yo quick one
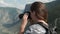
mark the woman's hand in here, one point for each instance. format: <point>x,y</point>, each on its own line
<point>25,17</point>
<point>23,24</point>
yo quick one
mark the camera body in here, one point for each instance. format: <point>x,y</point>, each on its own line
<point>27,10</point>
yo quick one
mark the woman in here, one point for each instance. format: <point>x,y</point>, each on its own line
<point>38,14</point>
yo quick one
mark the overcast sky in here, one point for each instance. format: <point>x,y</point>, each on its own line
<point>19,3</point>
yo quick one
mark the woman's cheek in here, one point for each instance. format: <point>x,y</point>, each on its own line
<point>31,16</point>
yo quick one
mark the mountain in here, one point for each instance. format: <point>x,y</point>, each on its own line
<point>53,9</point>
<point>9,21</point>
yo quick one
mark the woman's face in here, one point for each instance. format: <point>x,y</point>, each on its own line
<point>33,17</point>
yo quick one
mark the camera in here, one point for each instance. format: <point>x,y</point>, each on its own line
<point>27,10</point>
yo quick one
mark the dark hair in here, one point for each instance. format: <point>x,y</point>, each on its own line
<point>40,10</point>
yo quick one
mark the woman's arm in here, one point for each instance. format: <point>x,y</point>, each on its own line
<point>23,24</point>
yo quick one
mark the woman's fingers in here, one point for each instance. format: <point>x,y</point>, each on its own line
<point>25,17</point>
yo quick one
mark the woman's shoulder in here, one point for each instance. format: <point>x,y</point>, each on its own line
<point>43,22</point>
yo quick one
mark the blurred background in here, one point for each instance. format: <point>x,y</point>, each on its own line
<point>10,10</point>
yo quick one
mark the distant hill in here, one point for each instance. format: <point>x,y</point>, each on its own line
<point>9,20</point>
<point>9,16</point>
<point>53,10</point>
